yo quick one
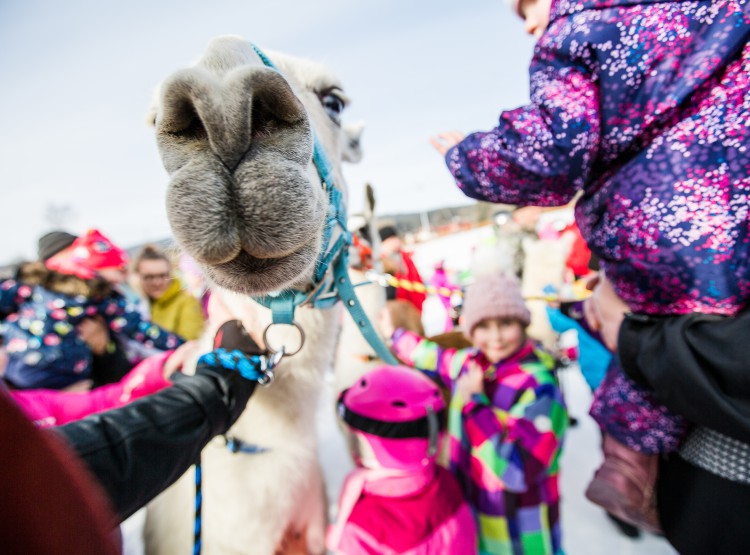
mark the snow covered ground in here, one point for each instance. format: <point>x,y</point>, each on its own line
<point>586,529</point>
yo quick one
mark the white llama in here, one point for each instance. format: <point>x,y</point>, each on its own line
<point>247,203</point>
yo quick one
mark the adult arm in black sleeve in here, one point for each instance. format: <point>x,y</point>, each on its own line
<point>137,451</point>
<point>697,365</point>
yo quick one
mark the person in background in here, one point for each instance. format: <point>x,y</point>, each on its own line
<point>53,242</point>
<point>398,500</point>
<point>398,262</point>
<point>109,361</point>
<point>506,420</point>
<point>195,281</point>
<point>78,283</point>
<point>446,290</point>
<point>171,306</point>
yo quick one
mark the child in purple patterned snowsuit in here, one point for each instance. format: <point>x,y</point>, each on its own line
<point>645,107</point>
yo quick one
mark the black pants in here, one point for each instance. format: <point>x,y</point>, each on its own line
<point>701,513</point>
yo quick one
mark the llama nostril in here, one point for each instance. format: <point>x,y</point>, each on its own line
<point>180,116</point>
<point>190,126</point>
<point>263,123</point>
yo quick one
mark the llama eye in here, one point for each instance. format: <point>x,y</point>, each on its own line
<point>333,104</point>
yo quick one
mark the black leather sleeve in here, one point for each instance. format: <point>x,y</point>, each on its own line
<point>138,450</point>
<point>697,365</point>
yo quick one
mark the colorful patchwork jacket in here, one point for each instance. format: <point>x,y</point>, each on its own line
<point>44,350</point>
<point>645,106</point>
<point>504,443</point>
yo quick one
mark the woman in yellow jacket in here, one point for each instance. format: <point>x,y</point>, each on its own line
<point>172,307</point>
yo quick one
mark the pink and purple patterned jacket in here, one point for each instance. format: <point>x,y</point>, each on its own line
<point>645,106</point>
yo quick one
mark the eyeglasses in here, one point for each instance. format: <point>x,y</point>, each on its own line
<point>156,277</point>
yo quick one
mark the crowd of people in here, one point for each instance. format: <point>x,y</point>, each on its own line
<point>639,116</point>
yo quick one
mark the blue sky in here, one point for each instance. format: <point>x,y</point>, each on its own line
<point>78,77</point>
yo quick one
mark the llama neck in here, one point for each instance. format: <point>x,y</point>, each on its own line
<point>288,405</point>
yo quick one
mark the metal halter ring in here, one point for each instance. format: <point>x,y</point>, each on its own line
<point>290,353</point>
<point>266,378</point>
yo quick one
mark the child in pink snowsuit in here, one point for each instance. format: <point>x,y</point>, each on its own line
<point>398,501</point>
<point>51,407</point>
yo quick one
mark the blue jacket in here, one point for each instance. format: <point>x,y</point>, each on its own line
<point>44,350</point>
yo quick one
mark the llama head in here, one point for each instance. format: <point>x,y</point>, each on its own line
<point>236,138</point>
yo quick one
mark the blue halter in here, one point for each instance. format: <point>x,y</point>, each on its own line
<point>331,281</point>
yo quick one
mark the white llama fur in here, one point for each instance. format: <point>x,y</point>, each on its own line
<point>262,235</point>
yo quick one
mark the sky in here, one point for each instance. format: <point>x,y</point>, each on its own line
<point>78,77</point>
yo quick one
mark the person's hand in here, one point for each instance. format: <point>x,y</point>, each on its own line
<point>604,312</point>
<point>385,323</point>
<point>95,333</point>
<point>177,359</point>
<point>81,386</point>
<point>443,142</point>
<point>471,382</point>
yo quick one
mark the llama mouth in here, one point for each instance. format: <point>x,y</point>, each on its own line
<point>248,264</point>
<point>248,274</point>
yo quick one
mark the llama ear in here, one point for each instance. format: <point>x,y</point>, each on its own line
<point>151,117</point>
<point>153,108</point>
<point>370,197</point>
<point>352,145</point>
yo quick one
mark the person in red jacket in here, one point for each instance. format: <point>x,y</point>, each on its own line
<point>399,263</point>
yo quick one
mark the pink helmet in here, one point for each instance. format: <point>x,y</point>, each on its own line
<point>399,412</point>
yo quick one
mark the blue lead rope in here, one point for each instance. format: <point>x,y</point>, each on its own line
<point>254,368</point>
<point>198,508</point>
<point>250,368</point>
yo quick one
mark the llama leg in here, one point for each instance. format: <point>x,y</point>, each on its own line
<point>316,527</point>
<point>307,529</point>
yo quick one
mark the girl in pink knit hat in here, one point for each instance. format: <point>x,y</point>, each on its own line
<point>506,418</point>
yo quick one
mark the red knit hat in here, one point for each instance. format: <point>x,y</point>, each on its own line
<point>495,295</point>
<point>92,251</point>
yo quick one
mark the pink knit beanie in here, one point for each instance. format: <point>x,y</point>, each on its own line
<point>496,295</point>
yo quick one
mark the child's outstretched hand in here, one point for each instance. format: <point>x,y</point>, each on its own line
<point>443,142</point>
<point>177,359</point>
<point>471,382</point>
<point>605,311</point>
